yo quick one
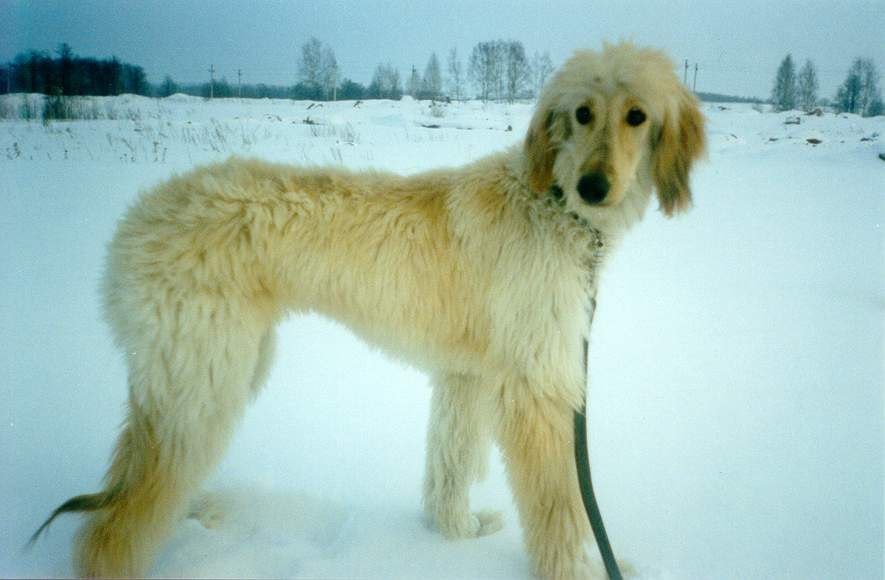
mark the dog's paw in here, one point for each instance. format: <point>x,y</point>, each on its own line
<point>469,525</point>
<point>489,522</point>
<point>208,509</point>
<point>627,569</point>
<point>592,567</point>
<point>585,568</point>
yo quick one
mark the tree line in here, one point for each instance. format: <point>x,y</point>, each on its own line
<point>496,70</point>
<point>68,74</point>
<point>858,94</point>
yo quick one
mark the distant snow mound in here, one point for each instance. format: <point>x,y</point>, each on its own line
<point>180,98</point>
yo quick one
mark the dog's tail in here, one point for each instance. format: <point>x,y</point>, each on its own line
<point>82,503</point>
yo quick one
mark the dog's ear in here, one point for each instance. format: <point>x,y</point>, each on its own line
<point>540,150</point>
<point>680,143</point>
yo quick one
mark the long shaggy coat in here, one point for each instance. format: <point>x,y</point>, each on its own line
<point>482,275</point>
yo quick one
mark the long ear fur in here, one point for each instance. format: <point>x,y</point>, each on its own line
<point>540,150</point>
<point>680,143</point>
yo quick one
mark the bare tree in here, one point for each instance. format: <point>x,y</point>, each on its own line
<point>869,93</point>
<point>783,95</point>
<point>317,71</point>
<point>328,73</point>
<point>486,69</point>
<point>541,68</point>
<point>807,89</point>
<point>456,75</point>
<point>516,70</point>
<point>311,63</point>
<point>385,83</point>
<point>480,67</point>
<point>431,85</point>
<point>499,69</point>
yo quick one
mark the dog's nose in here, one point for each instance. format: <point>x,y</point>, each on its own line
<point>593,187</point>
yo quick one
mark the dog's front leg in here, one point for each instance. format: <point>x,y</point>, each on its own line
<point>458,442</point>
<point>536,436</point>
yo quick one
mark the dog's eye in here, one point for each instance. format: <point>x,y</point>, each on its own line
<point>635,117</point>
<point>583,115</point>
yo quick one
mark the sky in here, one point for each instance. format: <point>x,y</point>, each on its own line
<point>737,46</point>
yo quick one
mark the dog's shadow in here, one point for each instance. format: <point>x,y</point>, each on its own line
<point>253,533</point>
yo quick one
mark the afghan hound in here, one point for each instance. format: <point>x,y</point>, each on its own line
<point>482,275</point>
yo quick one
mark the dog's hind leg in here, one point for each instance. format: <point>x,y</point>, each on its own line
<point>536,436</point>
<point>458,442</point>
<point>208,507</point>
<point>266,351</point>
<point>191,375</point>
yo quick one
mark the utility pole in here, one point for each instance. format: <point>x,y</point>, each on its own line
<point>211,81</point>
<point>694,83</point>
<point>239,83</point>
<point>685,74</point>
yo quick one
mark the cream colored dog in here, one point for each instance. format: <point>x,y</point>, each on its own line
<point>481,275</point>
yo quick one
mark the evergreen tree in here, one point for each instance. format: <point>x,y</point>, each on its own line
<point>413,86</point>
<point>431,84</point>
<point>456,75</point>
<point>351,90</point>
<point>168,87</point>
<point>66,68</point>
<point>859,90</point>
<point>783,95</point>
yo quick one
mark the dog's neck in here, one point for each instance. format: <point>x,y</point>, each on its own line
<point>611,222</point>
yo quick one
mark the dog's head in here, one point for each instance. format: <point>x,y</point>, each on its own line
<point>607,119</point>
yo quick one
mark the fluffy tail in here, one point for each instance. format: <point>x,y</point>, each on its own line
<point>81,503</point>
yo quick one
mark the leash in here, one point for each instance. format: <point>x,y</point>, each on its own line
<point>582,462</point>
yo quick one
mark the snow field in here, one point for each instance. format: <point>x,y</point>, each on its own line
<point>736,358</point>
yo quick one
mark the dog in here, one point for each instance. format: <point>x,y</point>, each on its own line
<point>483,276</point>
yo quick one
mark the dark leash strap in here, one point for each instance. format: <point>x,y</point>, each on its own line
<point>582,462</point>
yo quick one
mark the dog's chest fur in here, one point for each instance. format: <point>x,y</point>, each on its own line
<point>537,266</point>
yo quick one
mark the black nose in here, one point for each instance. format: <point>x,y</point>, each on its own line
<point>593,187</point>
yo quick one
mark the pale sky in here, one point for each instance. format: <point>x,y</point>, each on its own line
<point>737,46</point>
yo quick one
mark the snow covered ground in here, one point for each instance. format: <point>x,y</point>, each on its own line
<point>740,436</point>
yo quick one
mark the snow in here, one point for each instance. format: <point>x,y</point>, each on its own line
<point>736,358</point>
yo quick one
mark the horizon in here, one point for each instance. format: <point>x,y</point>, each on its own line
<point>737,51</point>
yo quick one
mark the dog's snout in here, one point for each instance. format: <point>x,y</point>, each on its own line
<point>593,187</point>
